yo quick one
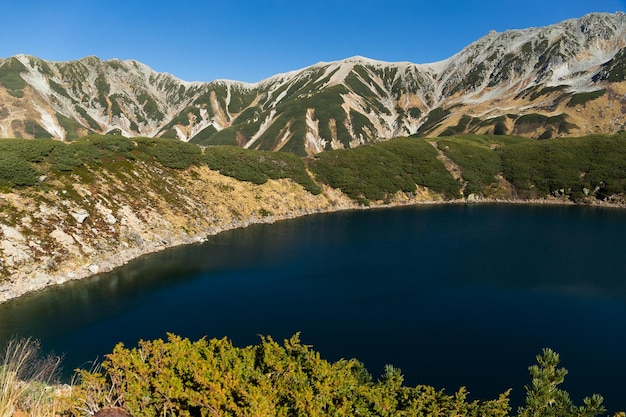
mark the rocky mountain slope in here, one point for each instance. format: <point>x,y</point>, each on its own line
<point>564,79</point>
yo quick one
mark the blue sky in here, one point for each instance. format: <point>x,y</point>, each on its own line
<point>252,40</point>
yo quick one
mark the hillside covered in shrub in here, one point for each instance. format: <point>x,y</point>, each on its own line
<point>584,169</point>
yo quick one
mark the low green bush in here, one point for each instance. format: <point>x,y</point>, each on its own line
<point>575,167</point>
<point>171,153</point>
<point>210,378</point>
<point>378,171</point>
<point>479,163</point>
<point>214,378</point>
<point>16,171</point>
<point>258,166</point>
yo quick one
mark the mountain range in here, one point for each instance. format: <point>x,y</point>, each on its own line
<point>561,80</point>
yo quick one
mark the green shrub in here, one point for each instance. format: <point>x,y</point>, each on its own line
<point>204,135</point>
<point>530,122</point>
<point>478,162</point>
<point>532,118</point>
<point>171,153</point>
<point>567,166</point>
<point>210,378</point>
<point>92,123</point>
<point>16,171</point>
<point>614,70</point>
<point>226,136</point>
<point>30,150</point>
<point>64,158</point>
<point>10,76</point>
<point>499,128</point>
<point>376,172</point>
<point>432,120</point>
<point>35,129</point>
<point>91,150</point>
<point>69,125</point>
<point>258,166</point>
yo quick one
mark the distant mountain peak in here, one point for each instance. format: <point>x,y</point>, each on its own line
<point>563,79</point>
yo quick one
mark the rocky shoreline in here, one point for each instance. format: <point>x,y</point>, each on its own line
<point>24,281</point>
<point>70,229</point>
<point>74,226</point>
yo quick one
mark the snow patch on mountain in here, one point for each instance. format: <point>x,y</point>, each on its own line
<point>314,143</point>
<point>36,80</point>
<point>264,126</point>
<point>50,124</point>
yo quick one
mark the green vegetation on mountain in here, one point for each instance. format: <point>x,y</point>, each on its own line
<point>582,98</point>
<point>69,125</point>
<point>537,122</point>
<point>434,118</point>
<point>14,171</point>
<point>150,106</point>
<point>479,163</point>
<point>537,91</point>
<point>10,77</point>
<point>327,109</point>
<point>377,172</point>
<point>465,123</point>
<point>615,69</point>
<point>577,169</point>
<point>36,130</point>
<point>352,101</point>
<point>214,378</point>
<point>573,167</point>
<point>90,121</point>
<point>200,137</point>
<point>23,161</point>
<point>258,166</point>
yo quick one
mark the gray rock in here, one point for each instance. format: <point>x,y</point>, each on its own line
<point>80,217</point>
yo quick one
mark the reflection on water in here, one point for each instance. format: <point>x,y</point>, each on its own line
<point>454,295</point>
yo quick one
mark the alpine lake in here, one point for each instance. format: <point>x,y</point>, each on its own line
<point>453,295</point>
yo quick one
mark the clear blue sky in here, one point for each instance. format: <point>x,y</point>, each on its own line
<point>252,40</point>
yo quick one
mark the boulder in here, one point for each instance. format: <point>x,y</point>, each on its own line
<point>112,412</point>
<point>80,217</point>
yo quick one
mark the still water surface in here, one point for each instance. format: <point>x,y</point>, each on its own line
<point>452,295</point>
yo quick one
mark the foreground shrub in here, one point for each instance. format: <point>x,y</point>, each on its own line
<point>214,378</point>
<point>179,377</point>
<point>210,378</point>
<point>544,398</point>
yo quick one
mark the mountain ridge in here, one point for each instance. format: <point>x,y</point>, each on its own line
<point>519,81</point>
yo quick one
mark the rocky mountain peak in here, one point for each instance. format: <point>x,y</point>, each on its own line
<point>495,81</point>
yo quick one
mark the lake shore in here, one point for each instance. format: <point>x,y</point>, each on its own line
<point>27,280</point>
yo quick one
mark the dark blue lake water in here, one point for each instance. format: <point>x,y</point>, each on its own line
<point>452,295</point>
